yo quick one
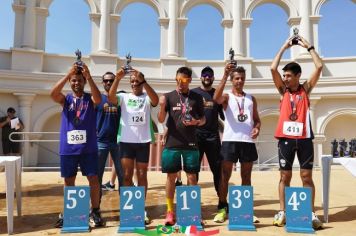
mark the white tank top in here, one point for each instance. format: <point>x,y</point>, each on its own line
<point>235,130</point>
<point>135,122</point>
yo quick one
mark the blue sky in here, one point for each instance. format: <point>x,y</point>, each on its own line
<point>69,27</point>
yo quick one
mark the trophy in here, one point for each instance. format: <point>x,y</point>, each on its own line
<point>352,151</point>
<point>79,61</point>
<point>186,115</point>
<point>342,148</point>
<point>128,67</point>
<point>232,54</point>
<point>334,151</point>
<point>295,36</point>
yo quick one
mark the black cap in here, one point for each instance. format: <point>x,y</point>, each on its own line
<point>207,69</point>
<point>11,110</point>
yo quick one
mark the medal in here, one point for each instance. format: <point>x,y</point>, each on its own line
<point>293,117</point>
<point>242,117</point>
<point>293,104</point>
<point>76,121</point>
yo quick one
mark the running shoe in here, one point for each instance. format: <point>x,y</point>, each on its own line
<point>147,220</point>
<point>279,219</point>
<point>108,186</point>
<point>221,216</point>
<point>317,224</point>
<point>179,182</point>
<point>169,221</point>
<point>95,219</point>
<point>59,223</point>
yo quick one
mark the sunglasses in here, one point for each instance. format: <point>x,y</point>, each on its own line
<point>108,80</point>
<point>207,75</point>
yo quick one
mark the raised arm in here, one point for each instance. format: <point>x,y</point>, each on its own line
<point>95,93</point>
<point>219,97</point>
<point>56,92</point>
<point>277,78</point>
<point>311,82</point>
<point>149,90</point>
<point>112,92</point>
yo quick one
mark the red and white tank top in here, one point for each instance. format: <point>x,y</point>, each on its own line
<point>294,118</point>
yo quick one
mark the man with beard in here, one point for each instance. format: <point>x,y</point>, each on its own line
<point>107,123</point>
<point>78,146</point>
<point>185,113</point>
<point>208,134</point>
<point>294,131</point>
<point>135,132</point>
<point>242,125</point>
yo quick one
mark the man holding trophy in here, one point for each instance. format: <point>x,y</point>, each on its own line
<point>294,130</point>
<point>242,125</point>
<point>78,146</point>
<point>185,112</point>
<point>134,133</point>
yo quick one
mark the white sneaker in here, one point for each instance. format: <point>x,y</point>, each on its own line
<point>317,224</point>
<point>279,219</point>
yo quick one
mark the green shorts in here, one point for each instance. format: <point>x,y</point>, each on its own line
<point>171,160</point>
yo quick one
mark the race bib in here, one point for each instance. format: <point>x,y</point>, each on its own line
<point>137,118</point>
<point>292,128</point>
<point>76,136</point>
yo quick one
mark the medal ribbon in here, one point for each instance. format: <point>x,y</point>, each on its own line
<point>293,104</point>
<point>78,108</point>
<point>185,104</point>
<point>242,106</point>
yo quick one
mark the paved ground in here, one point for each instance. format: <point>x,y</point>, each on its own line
<point>43,200</point>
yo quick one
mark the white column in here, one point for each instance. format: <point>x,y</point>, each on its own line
<point>227,25</point>
<point>173,29</point>
<point>319,139</point>
<point>29,31</point>
<point>19,19</point>
<point>315,30</point>
<point>25,105</point>
<point>104,30</point>
<point>237,43</point>
<point>182,23</point>
<point>305,26</point>
<point>246,25</point>
<point>114,21</point>
<point>163,23</point>
<point>41,15</point>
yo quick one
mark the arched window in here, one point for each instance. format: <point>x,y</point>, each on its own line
<point>337,29</point>
<point>267,34</point>
<point>68,27</point>
<point>7,24</point>
<point>139,32</point>
<point>204,35</point>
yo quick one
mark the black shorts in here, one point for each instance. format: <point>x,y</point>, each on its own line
<point>138,151</point>
<point>287,149</point>
<point>239,151</point>
<point>10,147</point>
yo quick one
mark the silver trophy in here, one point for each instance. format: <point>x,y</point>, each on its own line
<point>334,151</point>
<point>187,115</point>
<point>79,61</point>
<point>232,55</point>
<point>296,37</point>
<point>342,148</point>
<point>128,67</point>
<point>352,151</point>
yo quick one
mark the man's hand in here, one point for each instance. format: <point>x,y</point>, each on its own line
<point>255,132</point>
<point>303,42</point>
<point>120,73</point>
<point>86,72</point>
<point>162,101</point>
<point>192,122</point>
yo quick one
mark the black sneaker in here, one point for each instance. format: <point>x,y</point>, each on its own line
<point>179,182</point>
<point>108,186</point>
<point>95,219</point>
<point>59,223</point>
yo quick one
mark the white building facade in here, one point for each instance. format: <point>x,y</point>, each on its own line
<point>27,72</point>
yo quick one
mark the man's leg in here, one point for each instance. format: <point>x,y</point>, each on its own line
<point>285,178</point>
<point>141,170</point>
<point>102,157</point>
<point>116,169</point>
<point>94,190</point>
<point>307,180</point>
<point>212,151</point>
<point>246,170</point>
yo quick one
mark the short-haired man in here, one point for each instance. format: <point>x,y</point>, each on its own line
<point>78,146</point>
<point>242,125</point>
<point>185,112</point>
<point>208,135</point>
<point>9,147</point>
<point>107,123</point>
<point>294,131</point>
